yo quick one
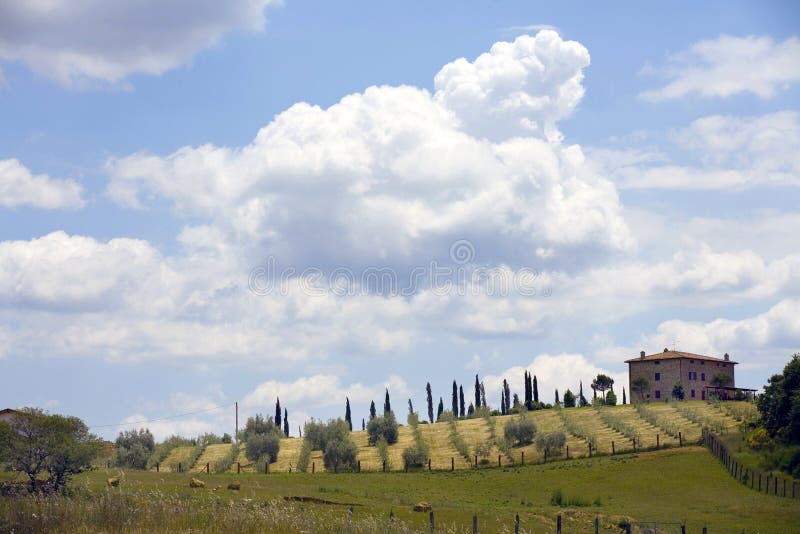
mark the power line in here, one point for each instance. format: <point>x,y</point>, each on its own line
<point>167,418</point>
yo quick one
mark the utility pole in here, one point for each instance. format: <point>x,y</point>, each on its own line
<point>236,436</point>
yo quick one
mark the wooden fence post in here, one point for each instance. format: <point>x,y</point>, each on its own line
<point>558,524</point>
<point>429,464</point>
<point>545,456</point>
<point>476,460</point>
<point>516,524</point>
<point>596,525</point>
<point>350,516</point>
<point>627,528</point>
<point>523,457</point>
<point>759,482</point>
<point>499,461</point>
<point>452,464</point>
<point>683,529</point>
<point>680,439</point>
<point>313,467</point>
<point>613,450</point>
<point>705,530</point>
<point>391,516</point>
<point>179,467</point>
<point>590,453</point>
<point>384,466</point>
<point>359,466</point>
<point>475,524</point>
<point>208,467</point>
<point>567,452</point>
<point>432,523</point>
<point>658,441</point>
<point>238,468</point>
<point>634,444</point>
<point>157,467</point>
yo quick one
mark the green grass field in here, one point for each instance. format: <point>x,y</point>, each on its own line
<point>672,485</point>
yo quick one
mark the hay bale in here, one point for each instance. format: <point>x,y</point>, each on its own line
<point>423,507</point>
<point>195,483</point>
<point>112,482</point>
<point>236,486</point>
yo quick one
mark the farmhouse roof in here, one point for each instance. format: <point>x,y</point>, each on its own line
<point>676,354</point>
<point>7,410</point>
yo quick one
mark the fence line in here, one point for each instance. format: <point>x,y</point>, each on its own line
<point>766,482</point>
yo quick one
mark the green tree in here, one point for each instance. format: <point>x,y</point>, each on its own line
<point>461,401</point>
<point>347,416</point>
<point>611,398</point>
<point>372,410</point>
<point>569,399</point>
<point>677,391</point>
<point>278,413</point>
<point>134,447</point>
<point>603,383</point>
<point>262,446</point>
<point>557,402</point>
<point>430,402</point>
<point>519,431</point>
<point>285,422</point>
<point>387,406</point>
<point>624,397</point>
<point>581,399</point>
<point>385,427</point>
<point>339,453</point>
<point>440,409</point>
<point>640,385</point>
<point>477,392</point>
<point>455,399</point>
<point>720,380</point>
<point>33,442</point>
<point>780,404</point>
<point>535,389</point>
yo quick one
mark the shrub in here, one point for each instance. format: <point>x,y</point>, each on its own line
<point>520,431</point>
<point>759,439</point>
<point>340,454</point>
<point>385,426</point>
<point>415,456</point>
<point>134,448</point>
<point>383,451</point>
<point>262,445</point>
<point>551,443</point>
<point>786,459</point>
<point>611,398</point>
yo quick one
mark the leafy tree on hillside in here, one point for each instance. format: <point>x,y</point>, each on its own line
<point>677,391</point>
<point>278,413</point>
<point>385,427</point>
<point>519,431</point>
<point>339,453</point>
<point>461,401</point>
<point>372,410</point>
<point>640,385</point>
<point>569,399</point>
<point>603,383</point>
<point>347,415</point>
<point>134,447</point>
<point>263,439</point>
<point>780,404</point>
<point>387,406</point>
<point>515,402</point>
<point>455,399</point>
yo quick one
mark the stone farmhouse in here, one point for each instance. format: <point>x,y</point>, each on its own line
<point>7,414</point>
<point>664,370</point>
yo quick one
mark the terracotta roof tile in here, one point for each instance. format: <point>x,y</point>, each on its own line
<point>677,354</point>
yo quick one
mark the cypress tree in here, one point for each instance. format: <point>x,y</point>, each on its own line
<point>440,410</point>
<point>461,401</point>
<point>477,393</point>
<point>507,394</point>
<point>455,399</point>
<point>556,396</point>
<point>430,402</point>
<point>535,389</point>
<point>285,422</point>
<point>410,407</point>
<point>363,425</point>
<point>624,398</point>
<point>516,400</point>
<point>502,401</point>
<point>278,413</point>
<point>372,410</point>
<point>581,399</point>
<point>483,396</point>
<point>387,406</point>
<point>528,392</point>
<point>471,409</point>
<point>347,415</point>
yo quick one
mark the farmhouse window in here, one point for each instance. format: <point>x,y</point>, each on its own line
<point>658,362</point>
<point>658,394</point>
<point>658,377</point>
<point>692,393</point>
<point>703,377</point>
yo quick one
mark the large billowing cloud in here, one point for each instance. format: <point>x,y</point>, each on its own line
<point>80,42</point>
<point>20,187</point>
<point>728,66</point>
<point>395,173</point>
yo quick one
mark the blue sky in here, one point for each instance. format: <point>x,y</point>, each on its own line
<point>640,158</point>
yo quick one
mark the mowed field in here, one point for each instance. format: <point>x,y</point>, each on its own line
<point>677,485</point>
<point>581,425</point>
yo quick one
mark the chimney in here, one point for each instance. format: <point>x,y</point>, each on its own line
<point>727,358</point>
<point>641,355</point>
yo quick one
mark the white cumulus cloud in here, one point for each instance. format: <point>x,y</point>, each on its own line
<point>728,66</point>
<point>84,42</point>
<point>20,187</point>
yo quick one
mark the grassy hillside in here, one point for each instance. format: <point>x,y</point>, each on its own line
<point>602,426</point>
<point>674,485</point>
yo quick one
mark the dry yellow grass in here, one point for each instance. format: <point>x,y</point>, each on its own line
<point>211,455</point>
<point>177,455</point>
